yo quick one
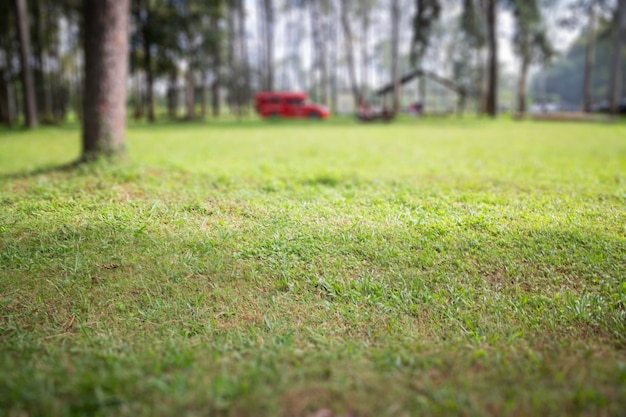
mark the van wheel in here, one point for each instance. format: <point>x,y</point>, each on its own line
<point>314,116</point>
<point>274,116</point>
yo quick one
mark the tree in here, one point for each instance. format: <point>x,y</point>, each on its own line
<point>268,36</point>
<point>615,87</point>
<point>106,62</point>
<point>475,38</point>
<point>426,15</point>
<point>590,55</point>
<point>395,55</point>
<point>28,85</point>
<point>562,80</point>
<point>347,35</point>
<point>530,42</point>
<point>491,104</point>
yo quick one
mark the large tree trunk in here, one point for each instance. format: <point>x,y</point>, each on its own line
<point>28,85</point>
<point>521,84</point>
<point>106,75</point>
<point>347,34</point>
<point>615,88</point>
<point>395,56</point>
<point>492,64</point>
<point>590,57</point>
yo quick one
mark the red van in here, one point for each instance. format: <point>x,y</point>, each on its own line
<point>288,105</point>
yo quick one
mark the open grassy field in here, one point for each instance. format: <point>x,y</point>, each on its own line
<point>290,269</point>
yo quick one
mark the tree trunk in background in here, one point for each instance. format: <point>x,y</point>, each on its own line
<point>41,89</point>
<point>217,64</point>
<point>492,65</point>
<point>215,99</point>
<point>7,112</point>
<point>321,51</point>
<point>191,97</point>
<point>243,46</point>
<point>137,96</point>
<point>147,63</point>
<point>233,103</point>
<point>269,43</point>
<point>347,34</point>
<point>615,88</point>
<point>261,29</point>
<point>590,57</point>
<point>203,99</point>
<point>395,56</point>
<point>172,96</point>
<point>521,84</point>
<point>422,93</point>
<point>364,62</point>
<point>77,84</point>
<point>106,74</point>
<point>54,55</point>
<point>28,85</point>
<point>334,67</point>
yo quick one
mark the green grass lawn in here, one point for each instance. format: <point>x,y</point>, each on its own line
<point>293,269</point>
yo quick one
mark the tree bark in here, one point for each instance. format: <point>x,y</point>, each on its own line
<point>243,46</point>
<point>320,50</point>
<point>521,84</point>
<point>106,74</point>
<point>590,57</point>
<point>492,65</point>
<point>6,101</point>
<point>172,96</point>
<point>217,64</point>
<point>191,97</point>
<point>203,99</point>
<point>137,96</point>
<point>28,85</point>
<point>395,56</point>
<point>615,88</point>
<point>269,42</point>
<point>233,101</point>
<point>147,62</point>
<point>347,34</point>
<point>42,91</point>
<point>364,49</point>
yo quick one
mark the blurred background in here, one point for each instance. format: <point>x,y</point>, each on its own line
<point>193,59</point>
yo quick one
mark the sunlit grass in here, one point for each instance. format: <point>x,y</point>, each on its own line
<point>421,268</point>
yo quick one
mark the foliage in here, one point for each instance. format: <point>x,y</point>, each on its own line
<point>426,267</point>
<point>564,79</point>
<point>426,14</point>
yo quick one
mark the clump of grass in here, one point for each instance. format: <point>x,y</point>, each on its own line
<point>426,268</point>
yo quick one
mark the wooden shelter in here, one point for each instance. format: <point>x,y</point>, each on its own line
<point>460,91</point>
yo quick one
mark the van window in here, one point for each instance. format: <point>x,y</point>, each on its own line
<point>295,102</point>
